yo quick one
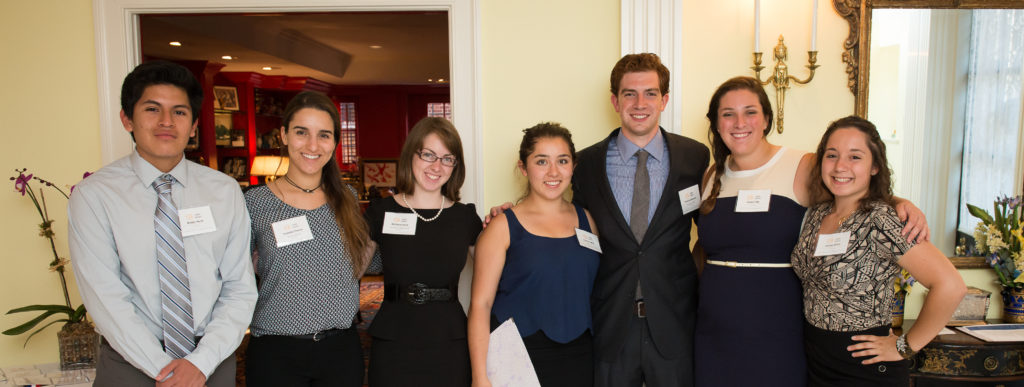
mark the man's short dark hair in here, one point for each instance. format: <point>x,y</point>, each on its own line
<point>159,72</point>
<point>638,63</point>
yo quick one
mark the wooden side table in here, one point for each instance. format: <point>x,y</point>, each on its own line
<point>963,358</point>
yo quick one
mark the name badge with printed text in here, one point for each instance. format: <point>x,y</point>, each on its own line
<point>753,200</point>
<point>588,240</point>
<point>196,220</point>
<point>832,244</point>
<point>399,224</point>
<point>291,231</point>
<point>689,199</point>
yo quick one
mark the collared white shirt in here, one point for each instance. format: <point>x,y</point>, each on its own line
<point>113,252</point>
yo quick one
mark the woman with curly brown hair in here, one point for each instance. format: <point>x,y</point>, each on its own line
<point>849,252</point>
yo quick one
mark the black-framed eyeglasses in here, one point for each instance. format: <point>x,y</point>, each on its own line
<point>430,157</point>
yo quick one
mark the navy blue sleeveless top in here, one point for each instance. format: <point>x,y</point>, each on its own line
<point>546,282</point>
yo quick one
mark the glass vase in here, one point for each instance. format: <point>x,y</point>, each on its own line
<point>79,346</point>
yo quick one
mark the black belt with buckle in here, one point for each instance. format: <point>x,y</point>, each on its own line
<point>640,309</point>
<point>317,336</point>
<point>419,294</point>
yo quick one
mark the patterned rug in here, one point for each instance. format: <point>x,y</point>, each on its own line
<point>371,293</point>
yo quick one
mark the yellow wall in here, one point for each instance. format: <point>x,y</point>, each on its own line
<point>718,43</point>
<point>48,117</point>
<point>543,61</point>
<point>540,61</point>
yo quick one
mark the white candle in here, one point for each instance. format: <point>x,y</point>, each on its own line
<point>757,25</point>
<point>814,27</point>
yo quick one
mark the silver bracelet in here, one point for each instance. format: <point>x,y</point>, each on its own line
<point>903,348</point>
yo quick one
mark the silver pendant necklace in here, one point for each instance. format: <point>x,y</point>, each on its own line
<point>306,190</point>
<point>406,201</point>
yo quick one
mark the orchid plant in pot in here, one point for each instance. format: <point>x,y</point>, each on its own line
<point>78,340</point>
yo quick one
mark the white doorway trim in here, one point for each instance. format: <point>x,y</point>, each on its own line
<point>657,26</point>
<point>116,24</point>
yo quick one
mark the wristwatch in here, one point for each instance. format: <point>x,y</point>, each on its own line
<point>903,348</point>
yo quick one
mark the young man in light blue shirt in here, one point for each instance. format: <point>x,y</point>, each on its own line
<point>161,246</point>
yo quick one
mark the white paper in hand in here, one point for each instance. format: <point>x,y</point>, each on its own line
<point>508,364</point>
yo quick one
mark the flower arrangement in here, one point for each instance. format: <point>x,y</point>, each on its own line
<point>903,283</point>
<point>23,185</point>
<point>998,237</point>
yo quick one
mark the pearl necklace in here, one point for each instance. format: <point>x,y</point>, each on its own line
<point>406,201</point>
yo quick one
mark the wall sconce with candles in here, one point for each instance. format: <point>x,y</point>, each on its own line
<point>269,166</point>
<point>780,77</point>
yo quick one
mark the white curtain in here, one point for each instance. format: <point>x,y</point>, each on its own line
<point>993,114</point>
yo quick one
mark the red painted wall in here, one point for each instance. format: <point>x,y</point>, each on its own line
<point>385,113</point>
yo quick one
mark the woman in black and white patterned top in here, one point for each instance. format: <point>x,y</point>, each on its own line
<point>849,252</point>
<point>311,241</point>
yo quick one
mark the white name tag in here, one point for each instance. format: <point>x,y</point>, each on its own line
<point>588,240</point>
<point>291,231</point>
<point>399,224</point>
<point>753,200</point>
<point>832,244</point>
<point>195,221</point>
<point>689,199</point>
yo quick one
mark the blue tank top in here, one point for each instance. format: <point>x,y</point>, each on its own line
<point>546,282</point>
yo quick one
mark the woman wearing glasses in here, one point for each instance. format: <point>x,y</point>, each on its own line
<point>424,236</point>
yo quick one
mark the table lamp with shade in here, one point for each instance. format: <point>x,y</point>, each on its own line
<point>269,166</point>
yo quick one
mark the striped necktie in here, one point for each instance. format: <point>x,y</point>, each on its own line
<point>175,297</point>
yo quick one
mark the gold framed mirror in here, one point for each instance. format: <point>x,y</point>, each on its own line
<point>856,53</point>
<point>856,47</point>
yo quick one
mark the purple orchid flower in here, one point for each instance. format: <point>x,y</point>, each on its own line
<point>84,175</point>
<point>21,183</point>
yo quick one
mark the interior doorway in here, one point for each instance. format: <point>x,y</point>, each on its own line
<point>378,67</point>
<point>118,50</point>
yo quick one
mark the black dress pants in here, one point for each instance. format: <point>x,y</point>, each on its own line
<point>336,360</point>
<point>640,364</point>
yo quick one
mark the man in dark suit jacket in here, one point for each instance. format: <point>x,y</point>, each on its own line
<point>644,298</point>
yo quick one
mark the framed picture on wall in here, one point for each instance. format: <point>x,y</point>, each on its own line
<point>380,173</point>
<point>223,128</point>
<point>225,98</point>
